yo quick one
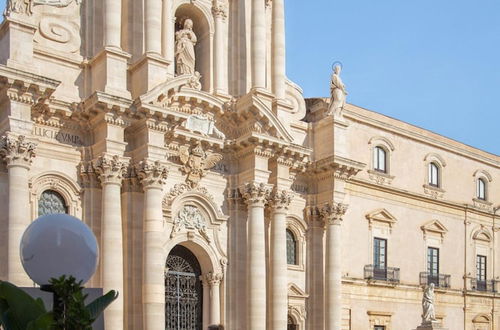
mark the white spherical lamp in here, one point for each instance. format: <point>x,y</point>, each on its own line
<point>59,244</point>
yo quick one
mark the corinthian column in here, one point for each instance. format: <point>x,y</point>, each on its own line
<point>332,216</point>
<point>219,11</point>
<point>110,170</point>
<point>152,17</point>
<point>258,43</point>
<point>168,36</point>
<point>153,176</point>
<point>18,155</point>
<point>255,195</point>
<point>279,290</point>
<point>213,280</point>
<point>278,50</point>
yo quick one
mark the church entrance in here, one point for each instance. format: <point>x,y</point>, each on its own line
<point>183,291</point>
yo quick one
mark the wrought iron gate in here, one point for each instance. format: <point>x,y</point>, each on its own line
<point>183,291</point>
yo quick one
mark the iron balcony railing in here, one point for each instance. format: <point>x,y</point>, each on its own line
<point>388,274</point>
<point>484,286</point>
<point>439,280</point>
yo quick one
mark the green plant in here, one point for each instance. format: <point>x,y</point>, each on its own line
<point>19,311</point>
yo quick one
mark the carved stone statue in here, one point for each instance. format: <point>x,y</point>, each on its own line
<point>338,93</point>
<point>56,3</point>
<point>428,315</point>
<point>196,163</point>
<point>26,6</point>
<point>185,40</point>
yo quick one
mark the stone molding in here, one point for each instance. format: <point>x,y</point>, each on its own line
<point>332,213</point>
<point>255,193</point>
<point>110,169</point>
<point>16,151</point>
<point>152,174</point>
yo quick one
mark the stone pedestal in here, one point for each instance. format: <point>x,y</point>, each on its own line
<point>430,326</point>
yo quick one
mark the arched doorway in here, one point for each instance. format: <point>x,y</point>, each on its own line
<point>183,291</point>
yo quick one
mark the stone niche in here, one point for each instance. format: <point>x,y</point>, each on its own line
<point>204,34</point>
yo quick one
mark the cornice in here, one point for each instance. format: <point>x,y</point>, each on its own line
<point>341,168</point>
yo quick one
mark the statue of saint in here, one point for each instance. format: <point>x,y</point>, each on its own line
<point>338,93</point>
<point>185,40</point>
<point>428,315</point>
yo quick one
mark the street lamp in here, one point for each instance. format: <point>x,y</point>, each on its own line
<point>58,244</point>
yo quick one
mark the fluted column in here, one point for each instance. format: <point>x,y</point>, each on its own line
<point>214,280</point>
<point>110,170</point>
<point>278,50</point>
<point>332,216</point>
<point>219,11</point>
<point>153,26</point>
<point>18,155</point>
<point>255,195</point>
<point>279,282</point>
<point>153,176</point>
<point>258,44</point>
<point>112,23</point>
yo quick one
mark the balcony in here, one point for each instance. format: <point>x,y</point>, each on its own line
<point>483,286</point>
<point>388,274</point>
<point>439,280</point>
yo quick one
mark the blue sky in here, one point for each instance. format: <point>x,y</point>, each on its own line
<point>434,64</point>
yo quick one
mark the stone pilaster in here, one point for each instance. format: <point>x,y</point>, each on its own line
<point>219,11</point>
<point>279,202</point>
<point>332,214</point>
<point>256,195</point>
<point>18,155</point>
<point>152,175</point>
<point>110,170</point>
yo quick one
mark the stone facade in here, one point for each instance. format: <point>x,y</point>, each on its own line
<point>284,212</point>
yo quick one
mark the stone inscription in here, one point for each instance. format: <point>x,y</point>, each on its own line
<point>63,137</point>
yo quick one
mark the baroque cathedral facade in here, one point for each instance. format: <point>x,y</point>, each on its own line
<point>219,195</point>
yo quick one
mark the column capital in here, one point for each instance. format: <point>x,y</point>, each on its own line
<point>152,174</point>
<point>16,151</point>
<point>255,193</point>
<point>110,169</point>
<point>213,279</point>
<point>280,200</point>
<point>219,10</point>
<point>332,213</point>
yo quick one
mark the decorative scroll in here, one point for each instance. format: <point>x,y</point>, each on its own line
<point>57,32</point>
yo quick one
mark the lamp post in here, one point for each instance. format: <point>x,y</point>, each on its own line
<point>56,245</point>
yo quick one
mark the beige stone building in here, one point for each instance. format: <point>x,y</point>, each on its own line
<point>219,195</point>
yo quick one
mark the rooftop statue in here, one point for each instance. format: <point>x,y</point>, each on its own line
<point>185,58</point>
<point>338,93</point>
<point>26,6</point>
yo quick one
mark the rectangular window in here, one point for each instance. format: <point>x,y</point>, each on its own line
<point>379,327</point>
<point>481,268</point>
<point>433,261</point>
<point>380,253</point>
<point>433,175</point>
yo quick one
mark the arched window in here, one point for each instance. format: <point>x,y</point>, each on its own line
<point>379,159</point>
<point>51,202</point>
<point>434,175</point>
<point>481,189</point>
<point>291,325</point>
<point>291,248</point>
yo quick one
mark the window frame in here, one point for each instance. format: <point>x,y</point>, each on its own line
<point>377,253</point>
<point>430,263</point>
<point>380,165</point>
<point>434,175</point>
<point>481,189</point>
<point>481,267</point>
<point>290,232</point>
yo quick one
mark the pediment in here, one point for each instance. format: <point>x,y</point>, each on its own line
<point>481,319</point>
<point>434,227</point>
<point>296,292</point>
<point>482,235</point>
<point>382,216</point>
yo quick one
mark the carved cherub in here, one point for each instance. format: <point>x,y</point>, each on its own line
<point>196,163</point>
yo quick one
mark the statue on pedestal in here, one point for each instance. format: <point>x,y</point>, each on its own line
<point>428,315</point>
<point>338,93</point>
<point>185,40</point>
